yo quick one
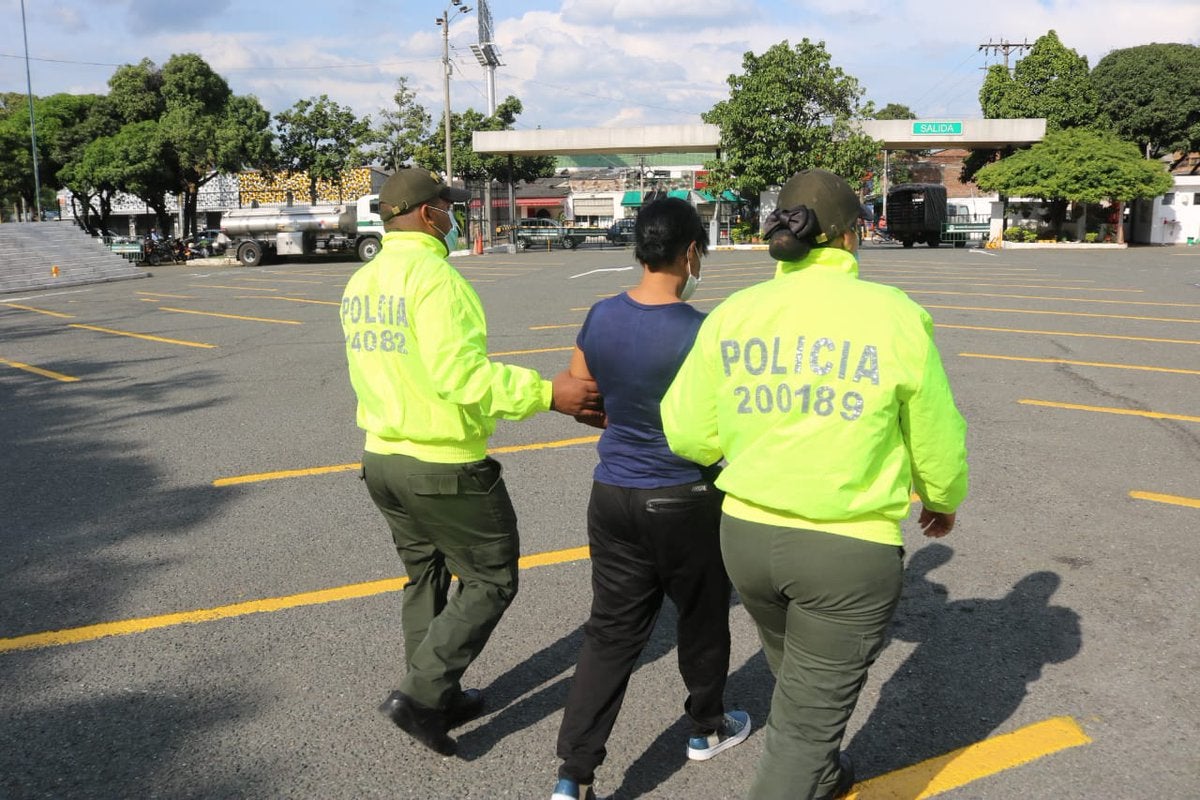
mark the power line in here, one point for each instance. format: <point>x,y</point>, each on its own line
<point>1004,47</point>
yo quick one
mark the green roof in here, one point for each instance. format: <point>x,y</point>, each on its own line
<point>679,194</point>
<point>632,199</point>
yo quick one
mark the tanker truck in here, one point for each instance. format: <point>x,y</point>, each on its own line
<point>256,233</point>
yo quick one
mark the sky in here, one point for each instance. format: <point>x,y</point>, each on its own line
<point>572,63</point>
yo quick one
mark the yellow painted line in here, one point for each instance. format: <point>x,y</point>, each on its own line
<point>1064,299</point>
<point>40,311</point>
<point>87,633</point>
<point>176,296</point>
<point>526,352</point>
<point>552,327</point>
<point>292,300</point>
<point>1066,313</point>
<point>1170,499</point>
<point>231,316</point>
<point>45,373</point>
<point>146,336</point>
<point>1030,286</point>
<point>969,764</point>
<point>236,288</point>
<point>1068,333</point>
<point>278,280</point>
<point>1082,363</point>
<point>261,477</point>
<point>1128,412</point>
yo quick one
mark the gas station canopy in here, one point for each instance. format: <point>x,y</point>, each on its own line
<point>967,134</point>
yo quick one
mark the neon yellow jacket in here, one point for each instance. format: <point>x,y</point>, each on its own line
<point>416,343</point>
<point>827,397</point>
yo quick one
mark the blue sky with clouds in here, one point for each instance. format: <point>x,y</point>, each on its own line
<point>571,62</point>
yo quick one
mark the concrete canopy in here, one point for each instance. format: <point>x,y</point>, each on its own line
<point>970,134</point>
<point>574,141</point>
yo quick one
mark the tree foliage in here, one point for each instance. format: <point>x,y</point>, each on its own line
<point>1151,95</point>
<point>323,138</point>
<point>789,110</point>
<point>472,166</point>
<point>400,130</point>
<point>894,111</point>
<point>1052,82</point>
<point>1079,165</point>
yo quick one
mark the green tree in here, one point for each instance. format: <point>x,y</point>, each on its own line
<point>400,130</point>
<point>322,138</point>
<point>1150,95</point>
<point>480,168</point>
<point>1079,165</point>
<point>1052,82</point>
<point>894,111</point>
<point>790,109</point>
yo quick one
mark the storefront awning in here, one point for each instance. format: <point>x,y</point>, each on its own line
<point>726,196</point>
<point>679,194</point>
<point>632,199</point>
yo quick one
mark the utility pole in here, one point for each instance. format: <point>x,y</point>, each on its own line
<point>1004,47</point>
<point>444,21</point>
<point>37,184</point>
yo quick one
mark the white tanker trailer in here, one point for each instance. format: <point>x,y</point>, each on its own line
<point>304,230</point>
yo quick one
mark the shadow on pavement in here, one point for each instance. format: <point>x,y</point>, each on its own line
<point>969,673</point>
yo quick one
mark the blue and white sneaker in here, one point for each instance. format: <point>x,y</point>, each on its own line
<point>733,731</point>
<point>567,789</point>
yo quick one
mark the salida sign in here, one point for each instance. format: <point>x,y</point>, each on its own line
<point>937,128</point>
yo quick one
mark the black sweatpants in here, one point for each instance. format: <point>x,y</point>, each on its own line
<point>646,543</point>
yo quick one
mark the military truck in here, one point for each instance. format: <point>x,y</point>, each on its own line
<point>297,230</point>
<point>916,212</point>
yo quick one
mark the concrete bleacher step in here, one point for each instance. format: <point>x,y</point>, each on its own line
<point>46,255</point>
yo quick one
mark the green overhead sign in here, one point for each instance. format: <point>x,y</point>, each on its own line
<point>937,128</point>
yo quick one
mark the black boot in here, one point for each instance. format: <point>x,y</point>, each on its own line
<point>427,725</point>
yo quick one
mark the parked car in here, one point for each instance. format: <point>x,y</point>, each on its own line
<point>621,231</point>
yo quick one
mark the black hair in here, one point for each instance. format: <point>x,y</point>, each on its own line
<point>791,233</point>
<point>664,231</point>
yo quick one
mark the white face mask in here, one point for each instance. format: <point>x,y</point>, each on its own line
<point>693,280</point>
<point>689,287</point>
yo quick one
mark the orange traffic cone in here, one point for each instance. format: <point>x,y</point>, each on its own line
<point>54,271</point>
<point>478,243</point>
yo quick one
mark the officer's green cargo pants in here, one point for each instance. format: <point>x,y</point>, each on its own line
<point>822,604</point>
<point>446,519</point>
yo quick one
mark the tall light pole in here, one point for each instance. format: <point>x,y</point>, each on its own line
<point>444,20</point>
<point>489,58</point>
<point>37,184</point>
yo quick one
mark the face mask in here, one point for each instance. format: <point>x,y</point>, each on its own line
<point>451,236</point>
<point>689,287</point>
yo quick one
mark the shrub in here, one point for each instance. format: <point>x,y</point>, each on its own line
<point>1091,238</point>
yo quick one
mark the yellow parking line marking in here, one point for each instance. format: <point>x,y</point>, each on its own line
<point>278,280</point>
<point>1064,299</point>
<point>349,592</point>
<point>1026,286</point>
<point>39,310</point>
<point>290,300</point>
<point>968,764</point>
<point>87,633</point>
<point>1068,333</point>
<point>261,477</point>
<point>1129,412</point>
<point>552,327</point>
<point>145,336</point>
<point>45,373</point>
<point>1066,313</point>
<point>159,294</point>
<point>231,316</point>
<point>1170,499</point>
<point>236,288</point>
<point>1082,363</point>
<point>526,352</point>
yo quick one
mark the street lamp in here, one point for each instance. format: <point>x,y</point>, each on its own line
<point>444,20</point>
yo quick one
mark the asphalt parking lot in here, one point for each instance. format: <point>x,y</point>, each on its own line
<point>198,600</point>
